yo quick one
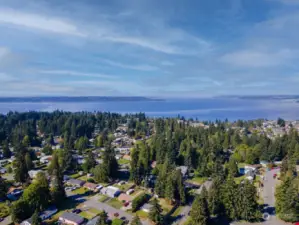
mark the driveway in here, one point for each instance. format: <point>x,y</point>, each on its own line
<point>6,221</point>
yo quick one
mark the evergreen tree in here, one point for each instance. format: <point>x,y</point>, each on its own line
<point>89,163</point>
<point>57,191</point>
<point>36,220</point>
<point>28,161</point>
<point>229,195</point>
<point>214,199</point>
<point>287,200</point>
<point>3,189</point>
<point>156,213</point>
<point>233,167</point>
<point>136,221</point>
<point>20,169</point>
<point>20,211</point>
<point>100,174</point>
<point>200,211</point>
<point>110,162</point>
<point>6,151</point>
<point>249,210</point>
<point>103,217</point>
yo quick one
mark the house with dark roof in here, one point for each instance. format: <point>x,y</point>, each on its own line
<point>71,218</point>
<point>75,182</point>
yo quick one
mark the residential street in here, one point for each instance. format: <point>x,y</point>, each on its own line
<point>6,221</point>
<point>269,200</point>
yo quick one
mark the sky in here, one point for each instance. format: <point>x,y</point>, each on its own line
<point>156,48</point>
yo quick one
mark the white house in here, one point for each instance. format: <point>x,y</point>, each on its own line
<point>33,173</point>
<point>111,191</point>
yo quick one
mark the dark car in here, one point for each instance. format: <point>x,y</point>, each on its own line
<point>77,211</point>
<point>1,219</point>
<point>116,214</point>
<point>123,218</point>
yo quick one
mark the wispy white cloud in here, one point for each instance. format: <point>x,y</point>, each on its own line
<point>142,67</point>
<point>254,58</point>
<point>76,73</point>
<point>39,22</point>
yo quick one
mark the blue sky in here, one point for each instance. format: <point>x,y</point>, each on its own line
<point>164,48</point>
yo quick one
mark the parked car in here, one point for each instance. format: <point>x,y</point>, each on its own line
<point>116,214</point>
<point>126,204</point>
<point>77,211</point>
<point>1,219</point>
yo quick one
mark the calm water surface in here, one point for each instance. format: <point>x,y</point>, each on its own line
<point>203,109</point>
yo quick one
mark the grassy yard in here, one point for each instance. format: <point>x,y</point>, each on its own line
<point>80,191</point>
<point>165,205</point>
<point>177,211</point>
<point>198,180</point>
<point>124,187</point>
<point>115,203</point>
<point>75,176</point>
<point>87,215</point>
<point>103,198</point>
<point>123,161</point>
<point>117,222</point>
<point>4,210</point>
<point>238,180</point>
<point>142,214</point>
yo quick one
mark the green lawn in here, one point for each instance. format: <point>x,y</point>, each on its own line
<point>238,180</point>
<point>115,203</point>
<point>103,198</point>
<point>75,176</point>
<point>94,211</point>
<point>165,205</point>
<point>4,210</point>
<point>198,180</point>
<point>142,214</point>
<point>87,215</point>
<point>80,191</point>
<point>84,178</point>
<point>241,165</point>
<point>123,161</point>
<point>124,187</point>
<point>117,222</point>
<point>177,211</point>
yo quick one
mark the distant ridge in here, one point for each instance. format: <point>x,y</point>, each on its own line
<point>74,99</point>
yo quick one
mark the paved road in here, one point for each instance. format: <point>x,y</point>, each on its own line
<point>6,221</point>
<point>269,201</point>
<point>183,215</point>
<point>94,203</point>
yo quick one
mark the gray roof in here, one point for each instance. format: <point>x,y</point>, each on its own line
<point>76,182</point>
<point>72,217</point>
<point>147,206</point>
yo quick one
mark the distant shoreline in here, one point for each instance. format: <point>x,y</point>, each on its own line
<point>74,99</point>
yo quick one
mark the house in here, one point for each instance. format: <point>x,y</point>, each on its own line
<point>3,170</point>
<point>250,175</point>
<point>48,213</point>
<point>111,191</point>
<point>121,182</point>
<point>71,218</point>
<point>130,191</point>
<point>184,170</point>
<point>127,157</point>
<point>33,173</point>
<point>146,207</point>
<point>45,159</point>
<point>27,222</point>
<point>75,182</point>
<point>91,186</point>
<point>253,168</point>
<point>125,197</point>
<point>264,163</point>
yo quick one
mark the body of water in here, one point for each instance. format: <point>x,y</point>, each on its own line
<point>203,109</point>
